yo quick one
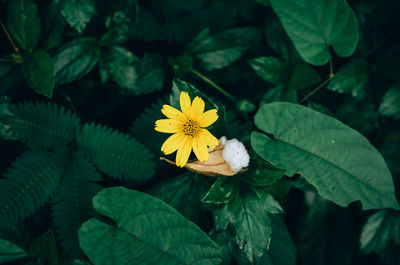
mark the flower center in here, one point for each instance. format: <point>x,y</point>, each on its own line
<point>191,128</point>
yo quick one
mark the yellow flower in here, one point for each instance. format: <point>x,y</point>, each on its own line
<point>188,129</point>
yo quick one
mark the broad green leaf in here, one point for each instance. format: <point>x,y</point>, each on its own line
<point>223,190</point>
<point>149,76</point>
<point>53,26</point>
<point>340,162</point>
<point>23,23</point>
<point>282,250</point>
<point>78,12</point>
<point>271,69</point>
<point>390,105</point>
<point>10,252</point>
<point>246,215</point>
<point>116,63</point>
<point>146,231</point>
<point>352,78</point>
<point>75,59</point>
<point>380,229</point>
<point>183,193</point>
<point>316,25</point>
<point>220,50</point>
<point>38,69</point>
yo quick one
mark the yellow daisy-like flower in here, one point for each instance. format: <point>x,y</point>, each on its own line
<point>188,130</point>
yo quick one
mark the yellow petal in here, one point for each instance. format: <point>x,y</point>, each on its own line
<point>185,104</point>
<point>168,126</point>
<point>208,138</point>
<point>182,156</point>
<point>172,143</point>
<point>173,113</point>
<point>200,149</point>
<point>197,108</point>
<point>208,118</point>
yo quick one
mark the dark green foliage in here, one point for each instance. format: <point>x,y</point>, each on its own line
<point>41,124</point>
<point>115,153</point>
<point>73,203</point>
<point>33,178</point>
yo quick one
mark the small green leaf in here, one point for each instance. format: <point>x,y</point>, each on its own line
<point>337,160</point>
<point>10,76</point>
<point>379,230</point>
<point>10,252</point>
<point>23,23</point>
<point>223,190</point>
<point>146,231</point>
<point>78,12</point>
<point>316,25</point>
<point>75,59</point>
<point>390,105</point>
<point>303,76</point>
<point>44,249</point>
<point>352,78</point>
<point>271,69</point>
<point>38,70</point>
<point>250,222</point>
<point>53,26</point>
<point>262,173</point>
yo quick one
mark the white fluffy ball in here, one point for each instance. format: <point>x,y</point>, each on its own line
<point>235,154</point>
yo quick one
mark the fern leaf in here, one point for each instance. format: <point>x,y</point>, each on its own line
<point>73,204</point>
<point>145,124</point>
<point>41,124</point>
<point>27,185</point>
<point>115,153</point>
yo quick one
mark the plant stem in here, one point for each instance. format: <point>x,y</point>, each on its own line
<point>68,99</point>
<point>9,38</point>
<point>210,82</point>
<point>317,88</point>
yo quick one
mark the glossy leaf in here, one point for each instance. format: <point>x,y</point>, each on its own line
<point>78,12</point>
<point>390,105</point>
<point>223,190</point>
<point>271,69</point>
<point>337,160</point>
<point>146,231</point>
<point>75,59</point>
<point>316,25</point>
<point>23,23</point>
<point>38,69</point>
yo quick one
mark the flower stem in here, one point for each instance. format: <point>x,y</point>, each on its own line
<point>9,38</point>
<point>211,83</point>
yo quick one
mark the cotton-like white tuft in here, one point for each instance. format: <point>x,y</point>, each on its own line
<point>223,140</point>
<point>235,154</point>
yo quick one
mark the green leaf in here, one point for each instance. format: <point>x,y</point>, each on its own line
<point>249,221</point>
<point>223,190</point>
<point>316,25</point>
<point>10,76</point>
<point>38,69</point>
<point>40,124</point>
<point>27,185</point>
<point>115,153</point>
<point>390,105</point>
<point>116,63</point>
<point>379,230</point>
<point>271,69</point>
<point>263,2</point>
<point>78,12</point>
<point>220,50</point>
<point>337,160</point>
<point>75,59</point>
<point>53,26</point>
<point>44,249</point>
<point>282,250</point>
<point>73,203</point>
<point>183,193</point>
<point>148,76</point>
<point>303,76</point>
<point>352,78</point>
<point>146,231</point>
<point>23,23</point>
<point>10,252</point>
